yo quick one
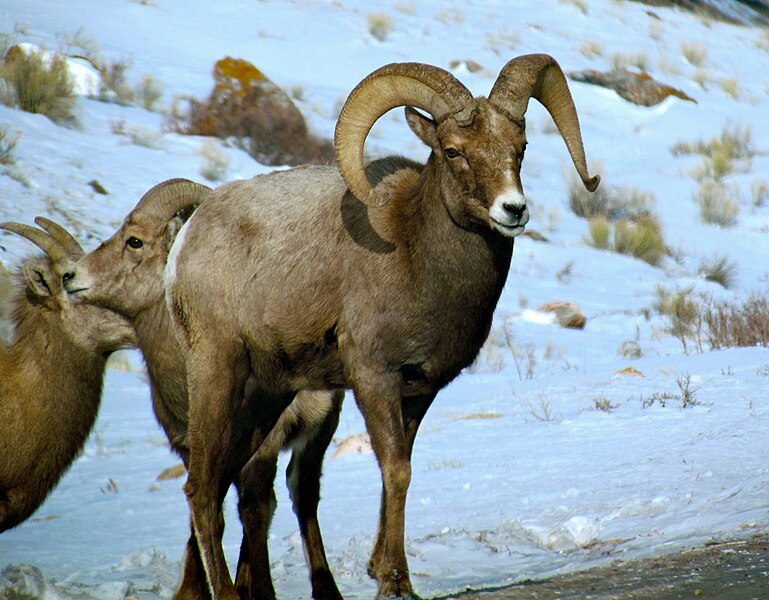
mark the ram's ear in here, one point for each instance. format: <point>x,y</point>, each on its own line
<point>41,279</point>
<point>423,127</point>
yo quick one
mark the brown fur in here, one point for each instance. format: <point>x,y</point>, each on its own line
<point>394,302</point>
<point>289,282</point>
<point>50,385</point>
<point>130,280</point>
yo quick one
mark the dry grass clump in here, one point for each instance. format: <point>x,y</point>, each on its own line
<point>37,85</point>
<point>622,60</point>
<point>580,4</point>
<point>641,238</point>
<point>8,143</point>
<point>611,202</point>
<point>695,53</point>
<point>717,202</point>
<point>591,49</point>
<point>718,269</point>
<point>620,219</point>
<point>733,145</point>
<point>380,25</point>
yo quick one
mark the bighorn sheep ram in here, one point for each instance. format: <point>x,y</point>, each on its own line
<point>51,374</point>
<point>125,274</point>
<point>381,279</point>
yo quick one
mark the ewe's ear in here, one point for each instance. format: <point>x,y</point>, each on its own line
<point>172,229</point>
<point>41,278</point>
<point>423,127</point>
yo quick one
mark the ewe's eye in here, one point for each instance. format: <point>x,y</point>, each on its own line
<point>134,242</point>
<point>452,153</point>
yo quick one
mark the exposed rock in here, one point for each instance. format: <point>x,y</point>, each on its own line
<point>636,87</point>
<point>174,472</point>
<point>630,371</point>
<point>566,313</point>
<point>742,12</point>
<point>247,105</point>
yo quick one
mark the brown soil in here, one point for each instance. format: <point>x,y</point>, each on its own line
<point>737,570</point>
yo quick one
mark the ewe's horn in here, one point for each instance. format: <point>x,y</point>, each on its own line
<point>169,197</point>
<point>65,239</point>
<point>429,88</point>
<point>539,76</point>
<point>41,239</point>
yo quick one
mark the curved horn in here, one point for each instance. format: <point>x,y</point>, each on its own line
<point>41,239</point>
<point>426,87</point>
<point>65,239</point>
<point>539,76</point>
<point>169,197</point>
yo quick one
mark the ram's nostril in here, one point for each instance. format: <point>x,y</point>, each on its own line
<point>516,210</point>
<point>67,276</point>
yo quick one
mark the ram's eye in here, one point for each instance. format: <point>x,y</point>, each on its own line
<point>452,153</point>
<point>134,242</point>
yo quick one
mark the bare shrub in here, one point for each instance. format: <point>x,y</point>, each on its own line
<point>149,92</point>
<point>682,308</point>
<point>717,203</point>
<point>114,85</point>
<point>40,86</point>
<point>213,163</point>
<point>603,404</point>
<point>718,269</point>
<point>688,392</point>
<point>738,325</point>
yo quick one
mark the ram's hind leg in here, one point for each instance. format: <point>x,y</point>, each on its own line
<point>303,476</point>
<point>218,450</point>
<point>256,506</point>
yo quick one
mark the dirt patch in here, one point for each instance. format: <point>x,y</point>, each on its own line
<point>736,570</point>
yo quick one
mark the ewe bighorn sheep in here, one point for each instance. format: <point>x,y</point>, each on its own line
<point>125,274</point>
<point>51,374</point>
<point>382,280</point>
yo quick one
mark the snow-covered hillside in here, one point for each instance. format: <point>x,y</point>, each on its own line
<point>542,457</point>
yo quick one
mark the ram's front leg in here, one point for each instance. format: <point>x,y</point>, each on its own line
<point>379,400</point>
<point>413,410</point>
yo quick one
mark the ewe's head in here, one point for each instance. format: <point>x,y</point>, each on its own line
<point>88,327</point>
<point>477,143</point>
<point>125,273</point>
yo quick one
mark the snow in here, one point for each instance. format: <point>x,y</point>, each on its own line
<point>517,473</point>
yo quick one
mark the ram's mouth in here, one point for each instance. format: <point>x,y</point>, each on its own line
<point>508,230</point>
